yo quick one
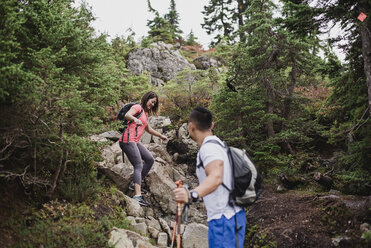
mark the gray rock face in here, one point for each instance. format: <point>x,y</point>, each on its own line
<point>159,60</point>
<point>121,238</point>
<point>183,136</point>
<point>195,235</point>
<point>205,62</point>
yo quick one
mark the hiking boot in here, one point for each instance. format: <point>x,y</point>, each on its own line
<point>141,200</point>
<point>143,191</point>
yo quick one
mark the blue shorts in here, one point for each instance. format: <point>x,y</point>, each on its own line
<point>222,232</point>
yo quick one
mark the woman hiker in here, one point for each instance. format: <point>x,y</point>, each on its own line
<point>138,155</point>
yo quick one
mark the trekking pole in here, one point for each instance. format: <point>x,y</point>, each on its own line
<point>178,217</point>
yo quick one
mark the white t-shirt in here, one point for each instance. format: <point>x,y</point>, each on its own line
<point>217,201</point>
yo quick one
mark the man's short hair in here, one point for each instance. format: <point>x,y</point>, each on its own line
<point>202,118</point>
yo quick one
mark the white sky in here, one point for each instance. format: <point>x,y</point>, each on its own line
<point>114,17</point>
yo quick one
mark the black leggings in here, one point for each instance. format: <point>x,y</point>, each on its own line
<point>136,152</point>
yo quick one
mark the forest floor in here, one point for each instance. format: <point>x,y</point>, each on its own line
<point>303,219</point>
<point>287,219</point>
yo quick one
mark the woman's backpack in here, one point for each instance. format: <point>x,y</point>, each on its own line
<point>120,116</point>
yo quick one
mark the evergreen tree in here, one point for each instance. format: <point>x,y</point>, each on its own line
<point>218,19</point>
<point>173,18</point>
<point>67,78</point>
<point>165,28</point>
<point>350,104</point>
<point>266,112</point>
<point>191,39</point>
<point>221,17</point>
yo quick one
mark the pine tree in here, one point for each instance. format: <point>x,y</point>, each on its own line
<point>173,18</point>
<point>218,19</point>
<point>221,17</point>
<point>265,113</point>
<point>191,39</point>
<point>160,29</point>
<point>68,77</point>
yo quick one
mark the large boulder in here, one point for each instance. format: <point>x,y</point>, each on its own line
<point>195,235</point>
<point>160,60</point>
<point>162,125</point>
<point>161,187</point>
<point>205,62</point>
<point>121,238</point>
<point>184,137</point>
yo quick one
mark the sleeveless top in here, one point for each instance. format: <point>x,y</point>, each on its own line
<point>133,132</point>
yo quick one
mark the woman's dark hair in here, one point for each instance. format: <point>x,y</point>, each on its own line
<point>145,99</point>
<point>202,118</point>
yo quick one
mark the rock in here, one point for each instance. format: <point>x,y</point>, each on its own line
<point>133,208</point>
<point>160,61</point>
<point>341,241</point>
<point>205,62</point>
<point>161,186</point>
<point>182,227</point>
<point>165,227</point>
<point>162,239</point>
<point>121,238</point>
<point>195,235</point>
<point>281,188</point>
<point>141,228</point>
<point>154,227</point>
<point>121,174</point>
<point>324,180</point>
<point>183,136</point>
<point>111,135</point>
<point>290,182</point>
<point>108,157</point>
<point>117,152</point>
<point>160,124</point>
<point>364,227</point>
<point>159,151</point>
<point>98,138</point>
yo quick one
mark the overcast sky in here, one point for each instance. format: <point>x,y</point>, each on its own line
<point>115,17</point>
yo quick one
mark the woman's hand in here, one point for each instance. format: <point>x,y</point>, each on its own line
<point>163,137</point>
<point>138,122</point>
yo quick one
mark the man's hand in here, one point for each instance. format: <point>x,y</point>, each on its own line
<point>181,195</point>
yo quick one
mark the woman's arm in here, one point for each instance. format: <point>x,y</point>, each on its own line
<point>154,132</point>
<point>130,116</point>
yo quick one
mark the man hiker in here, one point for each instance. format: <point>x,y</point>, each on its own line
<point>213,169</point>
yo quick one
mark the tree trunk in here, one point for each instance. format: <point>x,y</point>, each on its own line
<point>241,9</point>
<point>60,163</point>
<point>366,53</point>
<point>270,106</point>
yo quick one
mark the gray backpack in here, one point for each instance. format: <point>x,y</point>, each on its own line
<point>246,180</point>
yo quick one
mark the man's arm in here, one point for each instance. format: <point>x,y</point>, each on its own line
<point>214,177</point>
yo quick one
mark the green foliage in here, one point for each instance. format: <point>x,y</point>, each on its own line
<point>68,77</point>
<point>122,46</point>
<point>164,28</point>
<point>11,72</point>
<point>190,88</point>
<point>337,218</point>
<point>191,39</point>
<point>62,224</point>
<point>254,238</point>
<point>367,237</point>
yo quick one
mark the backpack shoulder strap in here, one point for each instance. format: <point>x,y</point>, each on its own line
<point>230,162</point>
<point>208,141</point>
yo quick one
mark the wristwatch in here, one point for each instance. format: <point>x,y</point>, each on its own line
<point>194,196</point>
